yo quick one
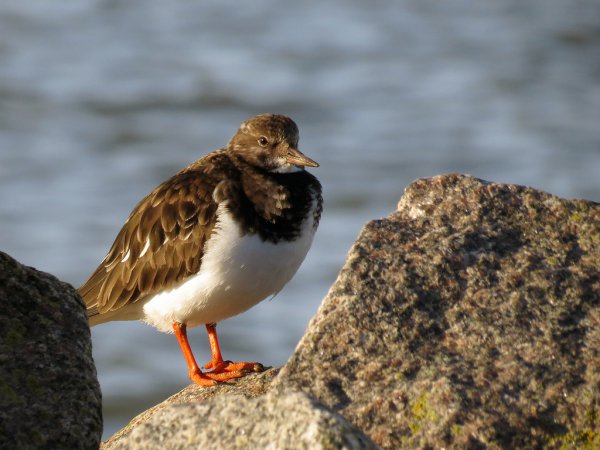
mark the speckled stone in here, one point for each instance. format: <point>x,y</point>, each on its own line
<point>251,386</point>
<point>469,318</point>
<point>49,392</point>
<point>286,420</point>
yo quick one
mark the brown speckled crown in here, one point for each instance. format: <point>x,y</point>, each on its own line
<point>275,125</point>
<point>162,241</point>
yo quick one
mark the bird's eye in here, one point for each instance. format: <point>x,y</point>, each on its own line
<point>263,141</point>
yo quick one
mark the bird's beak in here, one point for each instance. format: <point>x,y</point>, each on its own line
<point>297,158</point>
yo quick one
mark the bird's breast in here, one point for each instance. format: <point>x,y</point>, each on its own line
<point>237,271</point>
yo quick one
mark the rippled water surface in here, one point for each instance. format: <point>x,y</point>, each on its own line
<point>102,100</point>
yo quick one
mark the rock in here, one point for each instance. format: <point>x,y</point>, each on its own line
<point>237,414</point>
<point>279,421</point>
<point>469,318</point>
<point>250,386</point>
<point>49,392</point>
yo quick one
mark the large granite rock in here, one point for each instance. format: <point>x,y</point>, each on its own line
<point>286,420</point>
<point>469,318</point>
<point>238,415</point>
<point>251,386</point>
<point>49,392</point>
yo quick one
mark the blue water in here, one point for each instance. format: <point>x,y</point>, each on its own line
<point>101,100</point>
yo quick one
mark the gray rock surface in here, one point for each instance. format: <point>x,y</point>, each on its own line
<point>470,318</point>
<point>286,420</point>
<point>49,392</point>
<point>250,386</point>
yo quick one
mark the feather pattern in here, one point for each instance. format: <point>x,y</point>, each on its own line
<point>173,232</point>
<point>164,239</point>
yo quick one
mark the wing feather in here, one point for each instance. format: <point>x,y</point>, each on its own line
<point>161,243</point>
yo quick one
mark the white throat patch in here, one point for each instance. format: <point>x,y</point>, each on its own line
<point>287,168</point>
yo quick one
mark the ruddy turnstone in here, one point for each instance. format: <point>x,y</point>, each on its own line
<point>212,241</point>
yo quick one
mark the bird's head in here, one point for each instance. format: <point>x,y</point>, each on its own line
<point>270,141</point>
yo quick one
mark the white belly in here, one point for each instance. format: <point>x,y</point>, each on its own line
<point>236,273</point>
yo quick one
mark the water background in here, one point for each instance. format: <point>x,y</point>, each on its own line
<point>102,100</point>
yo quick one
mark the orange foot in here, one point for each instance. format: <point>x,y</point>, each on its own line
<point>222,370</point>
<point>201,379</point>
<point>225,370</point>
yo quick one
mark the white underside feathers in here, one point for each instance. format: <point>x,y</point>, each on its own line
<point>237,272</point>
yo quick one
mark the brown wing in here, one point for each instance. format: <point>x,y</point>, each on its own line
<point>161,242</point>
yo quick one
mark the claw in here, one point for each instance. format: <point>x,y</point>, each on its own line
<point>202,379</point>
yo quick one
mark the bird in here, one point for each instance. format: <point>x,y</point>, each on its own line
<point>215,239</point>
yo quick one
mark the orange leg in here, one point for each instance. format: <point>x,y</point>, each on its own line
<point>196,375</point>
<point>222,368</point>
